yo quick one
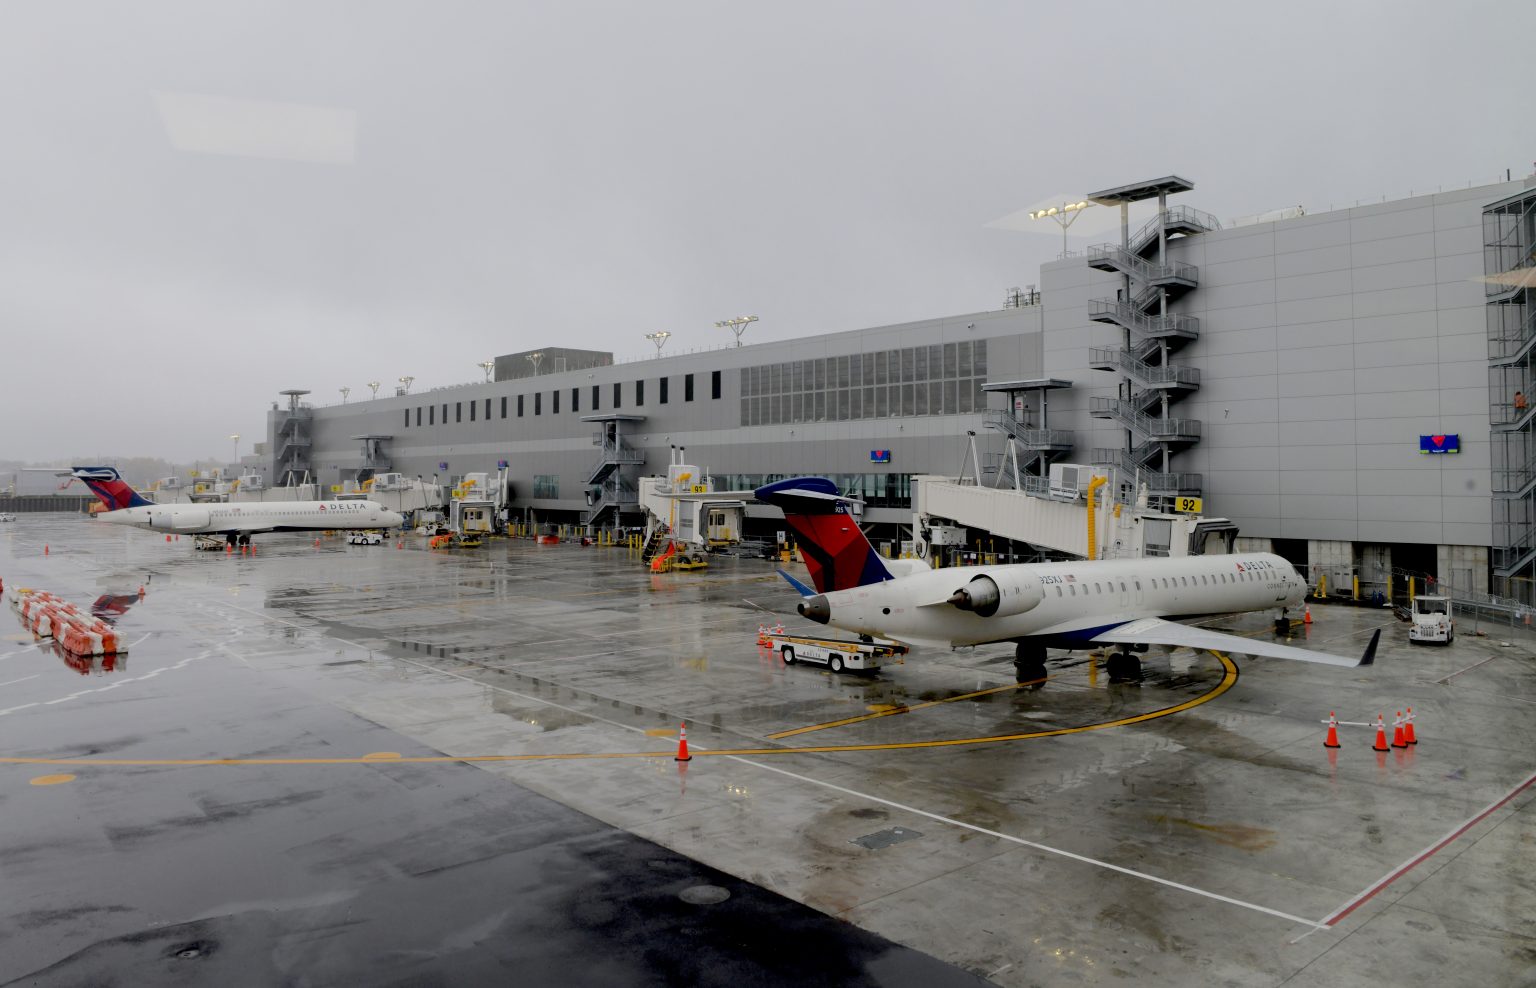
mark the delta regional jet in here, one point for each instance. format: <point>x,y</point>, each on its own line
<point>1077,604</point>
<point>237,522</point>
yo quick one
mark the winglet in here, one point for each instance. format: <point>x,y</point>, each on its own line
<point>800,588</point>
<point>1370,650</point>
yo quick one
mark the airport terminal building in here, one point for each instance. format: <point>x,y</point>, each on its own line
<point>1348,385</point>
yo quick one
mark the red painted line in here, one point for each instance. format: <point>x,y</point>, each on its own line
<point>1424,855</point>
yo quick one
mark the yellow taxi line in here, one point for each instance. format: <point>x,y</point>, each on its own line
<point>1228,680</point>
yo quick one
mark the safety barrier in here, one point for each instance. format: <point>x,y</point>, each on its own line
<point>76,631</point>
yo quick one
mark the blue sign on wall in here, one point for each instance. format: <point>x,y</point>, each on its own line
<point>1450,443</point>
<point>500,464</point>
<point>879,456</point>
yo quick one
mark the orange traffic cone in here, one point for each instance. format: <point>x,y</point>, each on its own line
<point>1306,615</point>
<point>399,544</point>
<point>1332,740</point>
<point>1408,728</point>
<point>167,537</point>
<point>45,548</point>
<point>141,591</point>
<point>682,744</point>
<point>317,543</point>
<point>1399,740</point>
<point>1381,733</point>
<point>228,548</point>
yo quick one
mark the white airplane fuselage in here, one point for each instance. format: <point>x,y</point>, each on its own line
<point>1072,600</point>
<point>246,519</point>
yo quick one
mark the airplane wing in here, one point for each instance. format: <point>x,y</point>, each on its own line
<point>1156,631</point>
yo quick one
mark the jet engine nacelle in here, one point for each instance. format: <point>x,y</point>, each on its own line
<point>1006,595</point>
<point>178,521</point>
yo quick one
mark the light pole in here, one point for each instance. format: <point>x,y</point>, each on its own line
<point>534,359</point>
<point>374,385</point>
<point>487,366</point>
<point>405,382</point>
<point>1064,216</point>
<point>659,338</point>
<point>344,393</point>
<point>235,438</point>
<point>737,325</point>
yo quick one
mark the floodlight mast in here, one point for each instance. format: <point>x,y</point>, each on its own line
<point>737,325</point>
<point>535,359</point>
<point>488,366</point>
<point>374,387</point>
<point>235,438</point>
<point>1063,216</point>
<point>405,382</point>
<point>344,393</point>
<point>659,338</point>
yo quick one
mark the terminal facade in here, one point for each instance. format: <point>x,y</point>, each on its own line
<point>1308,377</point>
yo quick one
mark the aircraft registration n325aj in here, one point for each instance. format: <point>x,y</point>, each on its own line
<point>1123,602</point>
<point>236,522</point>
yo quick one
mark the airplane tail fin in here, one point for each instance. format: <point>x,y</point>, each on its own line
<point>108,486</point>
<point>836,552</point>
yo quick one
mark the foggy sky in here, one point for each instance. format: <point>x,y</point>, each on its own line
<point>206,203</point>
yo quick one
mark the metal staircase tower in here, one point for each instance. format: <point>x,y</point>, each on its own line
<point>1151,382</point>
<point>1509,257</point>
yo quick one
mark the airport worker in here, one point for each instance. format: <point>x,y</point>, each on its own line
<point>1520,402</point>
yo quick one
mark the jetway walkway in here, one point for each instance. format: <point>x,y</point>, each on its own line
<point>1061,526</point>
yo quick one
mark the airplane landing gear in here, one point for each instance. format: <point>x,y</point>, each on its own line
<point>1029,662</point>
<point>231,540</point>
<point>1123,667</point>
<point>245,539</point>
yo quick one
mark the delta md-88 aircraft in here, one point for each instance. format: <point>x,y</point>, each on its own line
<point>1077,604</point>
<point>236,522</point>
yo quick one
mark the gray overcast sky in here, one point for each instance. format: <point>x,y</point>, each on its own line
<point>205,203</point>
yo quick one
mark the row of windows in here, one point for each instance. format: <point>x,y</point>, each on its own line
<point>546,485</point>
<point>936,362</point>
<point>1166,582</point>
<point>876,490</point>
<point>881,401</point>
<point>663,392</point>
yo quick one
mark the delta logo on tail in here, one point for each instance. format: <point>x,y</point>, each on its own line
<point>108,485</point>
<point>836,552</point>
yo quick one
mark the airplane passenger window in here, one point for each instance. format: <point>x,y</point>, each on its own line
<point>1122,586</point>
<point>1073,589</point>
<point>1138,584</point>
<point>1183,581</point>
<point>1097,588</point>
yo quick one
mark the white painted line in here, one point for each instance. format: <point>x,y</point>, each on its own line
<point>23,679</point>
<point>1032,844</point>
<point>1413,862</point>
<point>1446,681</point>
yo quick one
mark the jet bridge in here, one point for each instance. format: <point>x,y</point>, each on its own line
<point>1061,522</point>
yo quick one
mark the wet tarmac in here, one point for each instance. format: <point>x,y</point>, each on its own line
<point>376,765</point>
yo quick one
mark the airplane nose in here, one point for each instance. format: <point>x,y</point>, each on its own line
<point>393,519</point>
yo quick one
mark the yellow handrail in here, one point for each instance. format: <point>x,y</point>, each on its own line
<point>1093,490</point>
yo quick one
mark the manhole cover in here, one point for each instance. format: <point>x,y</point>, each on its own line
<point>704,895</point>
<point>885,838</point>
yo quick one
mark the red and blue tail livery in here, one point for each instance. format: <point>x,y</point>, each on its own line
<point>108,485</point>
<point>836,552</point>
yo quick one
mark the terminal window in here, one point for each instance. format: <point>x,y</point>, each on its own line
<point>538,403</point>
<point>471,411</point>
<point>503,406</point>
<point>407,418</point>
<point>596,393</point>
<point>431,414</point>
<point>688,387</point>
<point>487,409</point>
<point>546,485</point>
<point>714,384</point>
<point>554,403</point>
<point>458,411</point>
<point>519,406</point>
<point>639,393</point>
<point>616,396</point>
<point>575,399</point>
<point>938,379</point>
<point>418,416</point>
<point>661,391</point>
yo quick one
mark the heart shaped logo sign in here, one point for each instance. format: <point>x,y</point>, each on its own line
<point>1437,440</point>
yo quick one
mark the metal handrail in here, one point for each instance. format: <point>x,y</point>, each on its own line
<point>1157,482</point>
<point>1004,421</point>
<point>1142,371</point>
<point>1155,427</point>
<point>1173,324</point>
<point>1139,267</point>
<point>1175,216</point>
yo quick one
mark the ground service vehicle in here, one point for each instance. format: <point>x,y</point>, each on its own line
<point>1432,621</point>
<point>835,655</point>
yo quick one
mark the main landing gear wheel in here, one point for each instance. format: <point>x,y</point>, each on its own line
<point>1029,662</point>
<point>787,653</point>
<point>245,539</point>
<point>1122,667</point>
